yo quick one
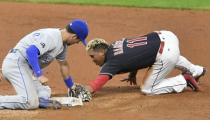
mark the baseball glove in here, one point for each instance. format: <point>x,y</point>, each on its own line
<point>79,91</point>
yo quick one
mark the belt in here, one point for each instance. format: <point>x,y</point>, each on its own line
<point>19,52</point>
<point>162,44</point>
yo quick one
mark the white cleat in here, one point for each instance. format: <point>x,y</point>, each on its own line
<point>202,74</point>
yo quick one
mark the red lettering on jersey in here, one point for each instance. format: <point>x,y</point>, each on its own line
<point>139,41</point>
<point>136,44</point>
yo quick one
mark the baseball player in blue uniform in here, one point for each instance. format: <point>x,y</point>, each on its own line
<point>23,65</point>
<point>158,51</point>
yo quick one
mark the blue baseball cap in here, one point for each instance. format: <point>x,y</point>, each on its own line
<point>80,28</point>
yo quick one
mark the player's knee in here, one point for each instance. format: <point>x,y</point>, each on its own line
<point>32,104</point>
<point>44,92</point>
<point>146,91</point>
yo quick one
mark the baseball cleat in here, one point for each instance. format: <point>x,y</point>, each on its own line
<point>202,74</point>
<point>191,82</point>
<point>53,104</point>
<point>50,104</point>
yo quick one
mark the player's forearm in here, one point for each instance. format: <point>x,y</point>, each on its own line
<point>98,83</point>
<point>32,57</point>
<point>64,68</point>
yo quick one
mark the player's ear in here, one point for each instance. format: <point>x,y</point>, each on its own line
<point>74,36</point>
<point>102,52</point>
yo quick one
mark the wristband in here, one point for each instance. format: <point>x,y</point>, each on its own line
<point>38,73</point>
<point>69,82</point>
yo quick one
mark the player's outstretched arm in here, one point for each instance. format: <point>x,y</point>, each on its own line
<point>98,83</point>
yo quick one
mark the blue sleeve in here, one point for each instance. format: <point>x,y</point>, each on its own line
<point>32,53</point>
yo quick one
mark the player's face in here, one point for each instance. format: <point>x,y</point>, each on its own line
<point>72,40</point>
<point>97,57</point>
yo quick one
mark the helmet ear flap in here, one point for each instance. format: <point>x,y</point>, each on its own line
<point>75,36</point>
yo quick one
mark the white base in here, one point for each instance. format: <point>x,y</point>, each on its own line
<point>68,101</point>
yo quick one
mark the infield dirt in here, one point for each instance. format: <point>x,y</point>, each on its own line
<point>116,101</point>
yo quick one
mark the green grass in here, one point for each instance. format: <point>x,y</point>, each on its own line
<point>178,4</point>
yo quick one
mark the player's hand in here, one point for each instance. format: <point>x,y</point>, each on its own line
<point>89,88</point>
<point>72,91</point>
<point>43,80</point>
<point>132,80</point>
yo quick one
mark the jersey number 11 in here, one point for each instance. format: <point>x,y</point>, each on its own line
<point>134,42</point>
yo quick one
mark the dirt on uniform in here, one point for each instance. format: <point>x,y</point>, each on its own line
<point>116,101</point>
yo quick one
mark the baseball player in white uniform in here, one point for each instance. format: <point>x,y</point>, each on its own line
<point>23,65</point>
<point>158,51</point>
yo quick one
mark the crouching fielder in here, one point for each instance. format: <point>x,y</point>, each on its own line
<point>22,66</point>
<point>158,51</point>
